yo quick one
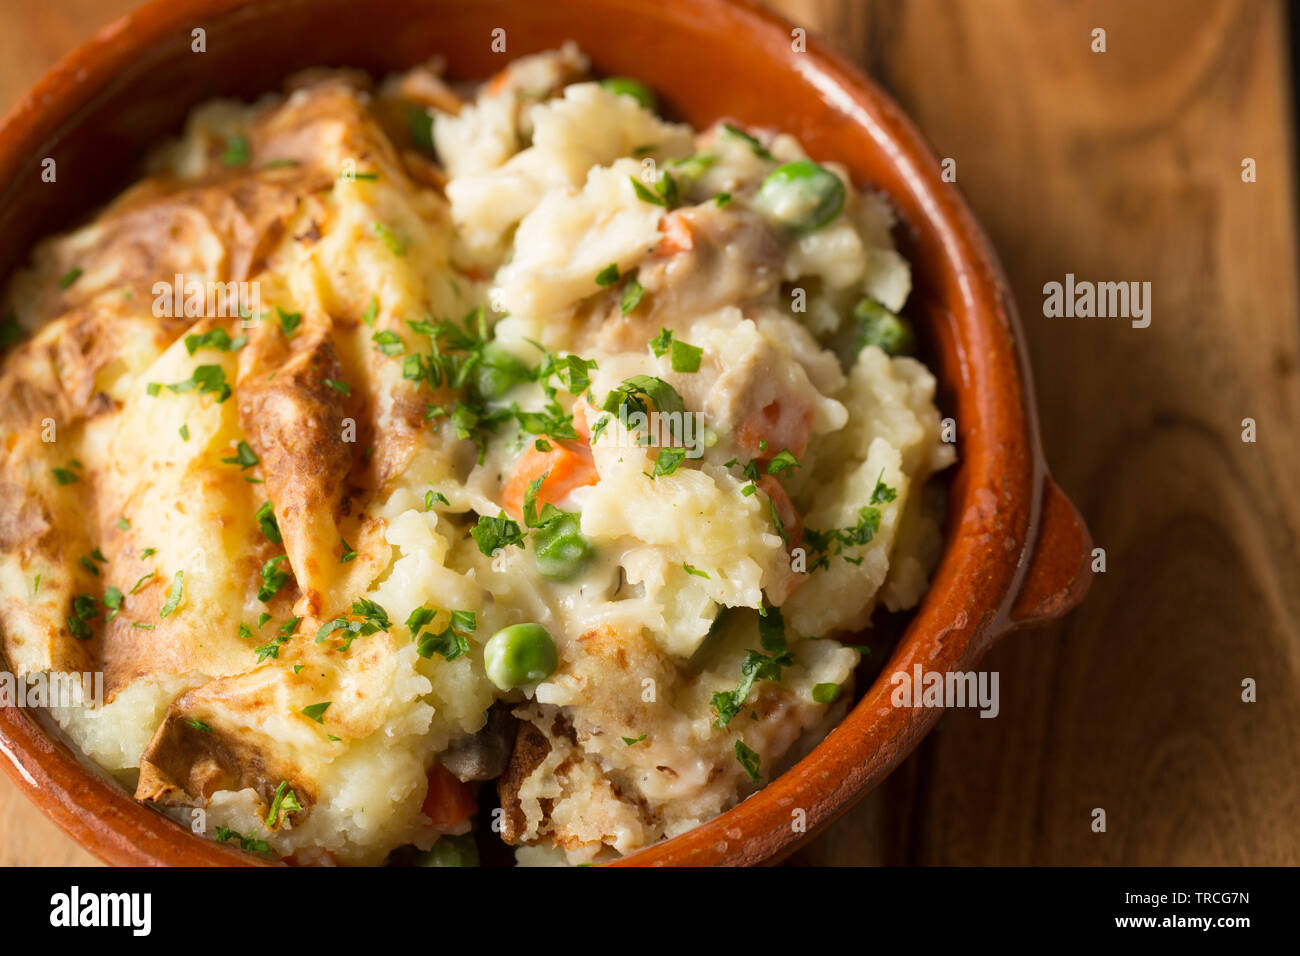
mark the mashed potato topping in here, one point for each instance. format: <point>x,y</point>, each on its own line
<point>381,443</point>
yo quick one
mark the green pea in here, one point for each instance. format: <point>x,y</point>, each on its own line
<point>560,550</point>
<point>451,851</point>
<point>802,195</point>
<point>626,86</point>
<point>498,371</point>
<point>878,326</point>
<point>519,655</point>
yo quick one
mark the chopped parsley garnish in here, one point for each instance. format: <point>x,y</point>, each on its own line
<point>749,760</point>
<point>825,693</point>
<point>175,594</point>
<point>782,461</point>
<point>662,342</point>
<point>771,629</point>
<point>273,579</point>
<point>341,387</point>
<point>348,554</point>
<point>495,534</point>
<point>317,711</point>
<point>431,496</point>
<point>573,371</point>
<point>371,619</point>
<point>776,520</point>
<point>758,149</point>
<point>632,293</point>
<point>198,725</point>
<point>532,517</point>
<point>372,311</point>
<point>208,379</point>
<point>84,608</point>
<point>78,628</point>
<point>722,199</point>
<point>244,457</point>
<point>285,802</point>
<point>65,476</point>
<point>657,197</point>
<point>634,393</point>
<point>551,421</point>
<point>633,740</point>
<point>184,432</point>
<point>695,571</point>
<point>139,584</point>
<point>237,152</point>
<point>607,275</point>
<point>217,339</point>
<point>882,493</point>
<point>69,277</point>
<point>390,343</point>
<point>685,358</point>
<point>265,518</point>
<point>391,239</point>
<point>123,524</point>
<point>251,844</point>
<point>833,542</point>
<point>289,321</point>
<point>754,667</point>
<point>451,642</point>
<point>112,601</point>
<point>283,633</point>
<point>89,565</point>
<point>419,122</point>
<point>668,460</point>
<point>245,632</point>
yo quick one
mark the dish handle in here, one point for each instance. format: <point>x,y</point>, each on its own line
<point>1060,568</point>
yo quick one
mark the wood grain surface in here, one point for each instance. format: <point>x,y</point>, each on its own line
<point>1117,166</point>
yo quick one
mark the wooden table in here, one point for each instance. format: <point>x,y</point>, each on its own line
<point>1114,166</point>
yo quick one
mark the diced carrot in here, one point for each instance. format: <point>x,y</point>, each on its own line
<point>449,802</point>
<point>782,425</point>
<point>570,466</point>
<point>498,83</point>
<point>784,508</point>
<point>677,236</point>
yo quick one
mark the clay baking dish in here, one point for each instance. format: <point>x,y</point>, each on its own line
<point>1016,551</point>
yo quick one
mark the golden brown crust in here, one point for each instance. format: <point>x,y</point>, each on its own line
<point>161,504</point>
<point>295,423</point>
<point>185,765</point>
<point>531,748</point>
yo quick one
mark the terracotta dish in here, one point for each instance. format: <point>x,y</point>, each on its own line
<point>1016,552</point>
